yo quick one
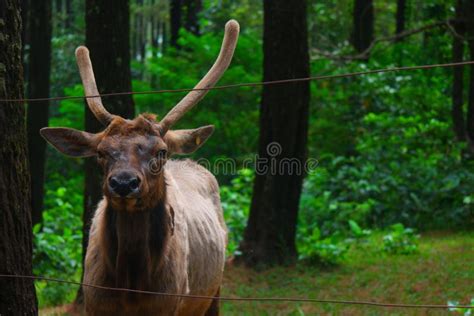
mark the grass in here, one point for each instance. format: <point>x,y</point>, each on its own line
<point>443,270</point>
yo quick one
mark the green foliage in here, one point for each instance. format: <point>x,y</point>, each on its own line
<point>58,252</point>
<point>386,149</point>
<point>461,311</point>
<point>236,199</point>
<point>400,240</point>
<point>357,231</point>
<point>326,251</point>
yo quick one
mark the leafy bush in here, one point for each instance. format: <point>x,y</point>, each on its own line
<point>58,244</point>
<point>316,249</point>
<point>400,240</point>
<point>357,231</point>
<point>236,199</point>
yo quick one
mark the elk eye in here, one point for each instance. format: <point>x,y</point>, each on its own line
<point>100,155</point>
<point>161,154</point>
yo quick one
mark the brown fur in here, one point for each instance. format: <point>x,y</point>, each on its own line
<point>169,236</point>
<point>169,239</point>
<point>160,225</point>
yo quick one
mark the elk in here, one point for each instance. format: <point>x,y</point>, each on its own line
<point>159,226</point>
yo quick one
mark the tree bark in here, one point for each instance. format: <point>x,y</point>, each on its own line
<point>38,112</point>
<point>59,17</point>
<point>400,16</point>
<point>469,13</point>
<point>107,37</point>
<point>69,15</point>
<point>164,37</point>
<point>25,36</point>
<point>458,76</point>
<point>193,7</point>
<point>17,296</point>
<point>155,32</point>
<point>140,31</point>
<point>363,20</point>
<point>175,21</point>
<point>270,233</point>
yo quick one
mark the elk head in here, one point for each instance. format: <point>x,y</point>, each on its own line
<point>132,152</point>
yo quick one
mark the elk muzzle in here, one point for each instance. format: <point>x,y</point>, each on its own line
<point>124,184</point>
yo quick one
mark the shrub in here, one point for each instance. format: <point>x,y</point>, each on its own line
<point>236,199</point>
<point>400,240</point>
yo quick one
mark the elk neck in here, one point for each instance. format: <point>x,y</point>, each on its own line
<point>136,242</point>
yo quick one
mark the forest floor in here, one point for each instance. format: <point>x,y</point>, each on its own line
<point>442,271</point>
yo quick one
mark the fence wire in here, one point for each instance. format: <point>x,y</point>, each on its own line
<point>243,299</point>
<point>246,299</point>
<point>249,84</point>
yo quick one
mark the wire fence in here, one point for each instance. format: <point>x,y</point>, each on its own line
<point>244,299</point>
<point>249,84</point>
<point>247,299</point>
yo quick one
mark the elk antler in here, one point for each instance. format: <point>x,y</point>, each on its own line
<point>209,80</point>
<point>90,87</point>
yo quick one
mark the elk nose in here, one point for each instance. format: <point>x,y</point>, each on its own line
<point>124,184</point>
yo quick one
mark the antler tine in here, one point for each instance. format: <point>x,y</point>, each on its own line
<point>90,87</point>
<point>209,80</point>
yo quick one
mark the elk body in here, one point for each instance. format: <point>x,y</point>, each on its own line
<point>160,225</point>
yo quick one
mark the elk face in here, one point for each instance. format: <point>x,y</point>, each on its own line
<point>133,153</point>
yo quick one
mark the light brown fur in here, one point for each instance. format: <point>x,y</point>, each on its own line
<point>160,225</point>
<point>193,260</point>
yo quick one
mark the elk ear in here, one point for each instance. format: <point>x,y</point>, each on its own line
<point>186,141</point>
<point>71,142</point>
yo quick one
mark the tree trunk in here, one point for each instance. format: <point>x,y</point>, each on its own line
<point>17,296</point>
<point>164,37</point>
<point>25,36</point>
<point>107,37</point>
<point>59,17</point>
<point>193,7</point>
<point>270,233</point>
<point>68,20</point>
<point>469,13</point>
<point>458,77</point>
<point>401,8</point>
<point>140,31</point>
<point>38,112</point>
<point>175,21</point>
<point>363,33</point>
<point>155,32</point>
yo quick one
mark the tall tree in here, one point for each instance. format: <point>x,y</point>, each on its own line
<point>400,16</point>
<point>108,39</point>
<point>469,21</point>
<point>17,296</point>
<point>69,18</point>
<point>25,37</point>
<point>270,233</point>
<point>175,21</point>
<point>59,16</point>
<point>140,30</point>
<point>457,113</point>
<point>193,7</point>
<point>38,87</point>
<point>363,24</point>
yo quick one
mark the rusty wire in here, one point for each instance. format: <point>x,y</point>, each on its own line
<point>249,84</point>
<point>248,299</point>
<point>242,299</point>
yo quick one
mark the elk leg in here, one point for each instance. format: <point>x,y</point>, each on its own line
<point>213,310</point>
